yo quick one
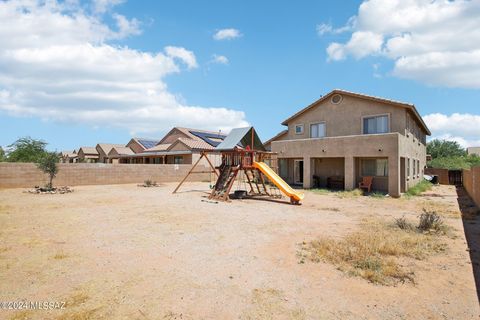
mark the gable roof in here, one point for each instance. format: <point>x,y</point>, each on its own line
<point>405,105</point>
<point>88,150</point>
<point>121,150</point>
<point>241,138</point>
<point>210,137</point>
<point>147,143</point>
<point>69,153</point>
<point>159,147</point>
<point>278,135</point>
<point>107,147</point>
<point>195,144</point>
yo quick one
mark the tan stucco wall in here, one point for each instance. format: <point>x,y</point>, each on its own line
<point>411,148</point>
<point>474,150</point>
<point>346,118</point>
<point>350,148</point>
<point>179,146</point>
<point>471,182</point>
<point>135,146</point>
<point>15,175</point>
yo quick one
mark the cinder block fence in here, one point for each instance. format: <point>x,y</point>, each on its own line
<point>471,182</point>
<point>18,175</point>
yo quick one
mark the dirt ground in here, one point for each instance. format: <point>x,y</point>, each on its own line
<point>125,252</point>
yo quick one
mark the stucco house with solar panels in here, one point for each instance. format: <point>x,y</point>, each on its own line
<point>179,146</point>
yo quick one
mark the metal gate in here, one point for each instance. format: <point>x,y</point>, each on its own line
<point>455,177</point>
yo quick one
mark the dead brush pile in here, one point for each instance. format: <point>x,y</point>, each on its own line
<point>375,251</point>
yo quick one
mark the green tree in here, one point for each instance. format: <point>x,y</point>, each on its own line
<point>26,150</point>
<point>445,149</point>
<point>2,155</point>
<point>48,164</point>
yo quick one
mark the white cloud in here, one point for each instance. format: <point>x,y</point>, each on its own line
<point>435,42</point>
<point>219,59</point>
<point>126,27</point>
<point>461,127</point>
<point>187,57</point>
<point>101,6</point>
<point>227,34</point>
<point>57,65</point>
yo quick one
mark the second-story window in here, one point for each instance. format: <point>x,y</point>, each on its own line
<point>377,124</point>
<point>299,129</point>
<point>317,130</point>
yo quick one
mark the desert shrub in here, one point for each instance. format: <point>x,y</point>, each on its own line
<point>421,187</point>
<point>430,221</point>
<point>404,224</point>
<point>148,183</point>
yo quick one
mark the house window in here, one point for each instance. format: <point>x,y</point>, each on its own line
<point>418,167</point>
<point>377,124</point>
<point>375,167</point>
<point>408,167</point>
<point>178,160</point>
<point>317,130</point>
<point>414,168</point>
<point>298,128</point>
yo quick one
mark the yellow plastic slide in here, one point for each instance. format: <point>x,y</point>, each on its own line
<point>295,196</point>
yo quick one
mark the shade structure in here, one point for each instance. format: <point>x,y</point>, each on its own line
<point>241,138</point>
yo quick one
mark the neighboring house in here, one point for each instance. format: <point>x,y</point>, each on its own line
<point>104,149</point>
<point>116,152</point>
<point>69,156</point>
<point>178,146</point>
<point>474,150</point>
<point>139,145</point>
<point>88,154</point>
<point>345,136</point>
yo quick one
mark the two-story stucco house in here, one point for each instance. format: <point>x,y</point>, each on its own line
<point>345,136</point>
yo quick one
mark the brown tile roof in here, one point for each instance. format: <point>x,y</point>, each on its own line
<point>89,150</point>
<point>122,150</point>
<point>159,147</point>
<point>197,144</point>
<point>107,147</point>
<point>409,106</point>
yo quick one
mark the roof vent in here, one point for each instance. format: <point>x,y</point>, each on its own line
<point>336,99</point>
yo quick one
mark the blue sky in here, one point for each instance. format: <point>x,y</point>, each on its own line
<point>280,60</point>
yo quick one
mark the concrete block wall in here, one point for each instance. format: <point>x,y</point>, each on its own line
<point>19,175</point>
<point>471,183</point>
<point>441,173</point>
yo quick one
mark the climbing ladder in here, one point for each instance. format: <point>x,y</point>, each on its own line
<point>224,184</point>
<point>256,182</point>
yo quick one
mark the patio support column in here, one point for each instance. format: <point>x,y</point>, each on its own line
<point>307,175</point>
<point>349,173</point>
<point>394,176</point>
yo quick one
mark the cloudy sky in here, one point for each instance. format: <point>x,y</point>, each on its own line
<point>81,72</point>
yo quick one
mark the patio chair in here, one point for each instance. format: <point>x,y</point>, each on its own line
<point>366,183</point>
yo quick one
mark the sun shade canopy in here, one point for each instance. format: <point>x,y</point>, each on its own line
<point>240,138</point>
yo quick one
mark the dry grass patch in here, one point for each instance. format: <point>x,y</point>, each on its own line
<point>60,256</point>
<point>89,314</point>
<point>272,304</point>
<point>77,299</point>
<point>443,209</point>
<point>21,315</point>
<point>374,251</point>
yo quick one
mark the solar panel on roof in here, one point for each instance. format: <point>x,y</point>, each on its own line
<point>147,144</point>
<point>210,138</point>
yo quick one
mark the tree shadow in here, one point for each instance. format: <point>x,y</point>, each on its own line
<point>471,226</point>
